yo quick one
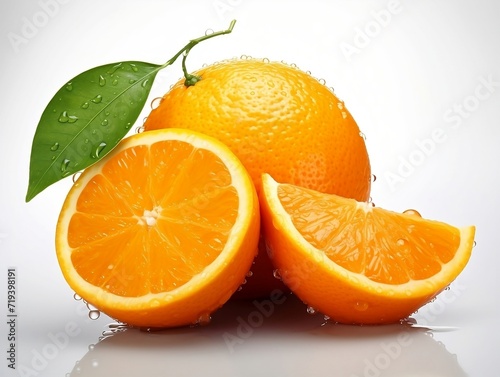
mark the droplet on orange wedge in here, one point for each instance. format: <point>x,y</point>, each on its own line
<point>162,231</point>
<point>357,263</point>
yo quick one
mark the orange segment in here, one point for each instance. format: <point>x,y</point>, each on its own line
<point>160,232</point>
<point>354,262</point>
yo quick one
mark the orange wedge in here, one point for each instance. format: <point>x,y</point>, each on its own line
<point>356,263</point>
<point>162,231</point>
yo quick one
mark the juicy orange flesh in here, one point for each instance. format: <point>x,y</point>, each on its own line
<point>152,219</point>
<point>386,247</point>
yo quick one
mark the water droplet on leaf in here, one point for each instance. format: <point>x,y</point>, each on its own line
<point>64,165</point>
<point>54,147</point>
<point>115,68</point>
<point>97,99</point>
<point>99,149</point>
<point>102,80</point>
<point>66,118</point>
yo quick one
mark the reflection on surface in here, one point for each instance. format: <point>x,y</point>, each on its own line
<point>270,339</point>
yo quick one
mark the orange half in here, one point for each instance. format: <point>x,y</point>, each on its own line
<point>160,232</point>
<point>357,263</point>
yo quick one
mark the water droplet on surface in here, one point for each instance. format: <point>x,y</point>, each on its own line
<point>311,310</point>
<point>156,102</point>
<point>374,177</point>
<point>209,32</point>
<point>474,244</point>
<point>104,122</point>
<point>95,363</point>
<point>69,86</point>
<point>97,99</point>
<point>54,147</point>
<point>76,176</point>
<point>102,80</point>
<point>99,149</point>
<point>134,67</point>
<point>85,105</point>
<point>402,242</point>
<point>203,319</point>
<point>131,81</point>
<point>66,118</point>
<point>344,116</point>
<point>145,83</point>
<point>412,212</point>
<point>322,81</point>
<point>91,347</point>
<point>114,82</point>
<point>64,165</point>
<point>155,303</point>
<point>77,297</point>
<point>139,129</point>
<point>265,60</point>
<point>94,314</point>
<point>362,135</point>
<point>361,306</point>
<point>276,274</point>
<point>326,317</point>
<point>115,68</point>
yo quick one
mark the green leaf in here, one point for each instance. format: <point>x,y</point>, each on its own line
<point>86,119</point>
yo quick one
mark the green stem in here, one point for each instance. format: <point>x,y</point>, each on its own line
<point>193,79</point>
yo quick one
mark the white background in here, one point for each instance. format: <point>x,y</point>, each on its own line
<point>407,70</point>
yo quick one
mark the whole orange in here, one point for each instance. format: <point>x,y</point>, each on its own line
<point>278,120</point>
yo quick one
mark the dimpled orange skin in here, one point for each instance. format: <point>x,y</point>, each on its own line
<point>278,120</point>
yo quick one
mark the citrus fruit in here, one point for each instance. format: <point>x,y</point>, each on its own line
<point>161,231</point>
<point>277,119</point>
<point>356,263</point>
